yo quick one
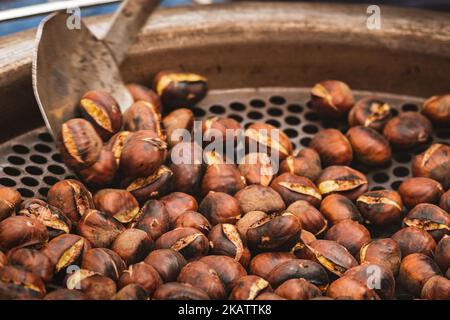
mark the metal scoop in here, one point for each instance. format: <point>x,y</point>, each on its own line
<point>68,62</point>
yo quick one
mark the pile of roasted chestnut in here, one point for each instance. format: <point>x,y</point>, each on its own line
<point>155,229</point>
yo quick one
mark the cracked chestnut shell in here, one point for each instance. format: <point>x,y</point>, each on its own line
<point>436,288</point>
<point>167,262</point>
<point>437,109</point>
<point>249,287</point>
<point>187,167</point>
<point>262,264</point>
<point>66,250</point>
<point>263,136</point>
<point>21,232</point>
<point>178,202</point>
<point>292,188</point>
<point>142,154</point>
<point>305,163</point>
<point>259,198</point>
<point>380,207</point>
<point>140,92</point>
<point>179,291</point>
<point>177,123</point>
<point>310,218</point>
<point>299,248</point>
<point>10,200</point>
<point>298,289</point>
<point>433,163</point>
<point>32,261</point>
<point>220,207</point>
<point>343,180</point>
<point>80,145</point>
<point>103,112</point>
<point>444,203</point>
<point>257,168</point>
<point>430,218</point>
<point>224,239</point>
<point>350,234</point>
<point>420,190</point>
<point>220,129</point>
<point>132,245</point>
<point>131,292</point>
<point>415,270</point>
<point>99,228</point>
<point>248,220</point>
<point>442,253</point>
<point>222,177</point>
<point>92,284</point>
<point>333,147</point>
<point>274,233</point>
<point>407,130</point>
<point>66,294</point>
<point>54,220</point>
<point>103,261</point>
<point>102,172</point>
<point>336,207</point>
<point>227,268</point>
<point>116,144</point>
<point>193,219</point>
<point>299,269</point>
<point>332,98</point>
<point>18,284</point>
<point>385,252</point>
<point>71,197</point>
<point>370,112</point>
<point>201,276</point>
<point>143,115</point>
<point>369,146</point>
<point>348,288</point>
<point>190,242</point>
<point>414,240</point>
<point>142,274</point>
<point>153,219</point>
<point>331,255</point>
<point>178,88</point>
<point>117,203</point>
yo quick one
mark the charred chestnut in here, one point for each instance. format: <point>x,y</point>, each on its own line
<point>333,147</point>
<point>167,262</point>
<point>310,218</point>
<point>385,252</point>
<point>343,180</point>
<point>350,234</point>
<point>249,219</point>
<point>442,253</point>
<point>222,129</point>
<point>348,288</point>
<point>177,123</point>
<point>293,188</point>
<point>380,207</point>
<point>430,218</point>
<point>433,163</point>
<point>336,207</point>
<point>117,203</point>
<point>369,146</point>
<point>257,168</point>
<point>132,245</point>
<point>220,207</point>
<point>305,163</point>
<point>249,287</point>
<point>298,289</point>
<point>154,186</point>
<point>436,288</point>
<point>225,240</point>
<point>187,167</point>
<point>263,136</point>
<point>103,261</point>
<point>332,98</point>
<point>153,219</point>
<point>264,263</point>
<point>18,284</point>
<point>190,242</point>
<point>143,115</point>
<point>227,268</point>
<point>33,261</point>
<point>407,130</point>
<point>376,277</point>
<point>370,112</point>
<point>420,190</point>
<point>142,274</point>
<point>102,172</point>
<point>194,220</point>
<point>259,198</point>
<point>414,240</point>
<point>415,270</point>
<point>21,232</point>
<point>92,284</point>
<point>178,202</point>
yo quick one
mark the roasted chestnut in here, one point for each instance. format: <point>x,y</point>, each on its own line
<point>194,220</point>
<point>102,172</point>
<point>220,207</point>
<point>385,252</point>
<point>369,146</point>
<point>201,276</point>
<point>116,144</point>
<point>117,203</point>
<point>103,261</point>
<point>420,190</point>
<point>436,288</point>
<point>143,115</point>
<point>433,163</point>
<point>437,109</point>
<point>332,98</point>
<point>103,112</point>
<point>442,253</point>
<point>350,234</point>
<point>21,232</point>
<point>190,242</point>
<point>33,261</point>
<point>305,238</point>
<point>343,180</point>
<point>429,217</point>
<point>293,188</point>
<point>257,168</point>
<point>227,268</point>
<point>348,288</point>
<point>333,147</point>
<point>376,277</point>
<point>305,163</point>
<point>310,218</point>
<point>259,198</point>
<point>264,263</point>
<point>380,207</point>
<point>153,219</point>
<point>131,292</point>
<point>132,245</point>
<point>187,167</point>
<point>178,202</point>
<point>142,274</point>
<point>220,129</point>
<point>167,262</point>
<point>444,203</point>
<point>249,287</point>
<point>369,112</point>
<point>298,289</point>
<point>179,291</point>
<point>3,260</point>
<point>10,200</point>
<point>224,239</point>
<point>140,92</point>
<point>154,186</point>
<point>66,294</point>
<point>407,130</point>
<point>336,207</point>
<point>263,137</point>
<point>249,219</point>
<point>414,240</point>
<point>18,284</point>
<point>177,123</point>
<point>92,284</point>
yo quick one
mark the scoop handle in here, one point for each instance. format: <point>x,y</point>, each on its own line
<point>126,23</point>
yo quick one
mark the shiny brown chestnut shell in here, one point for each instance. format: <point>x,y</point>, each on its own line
<point>153,219</point>
<point>18,284</point>
<point>348,288</point>
<point>305,163</point>
<point>310,218</point>
<point>99,228</point>
<point>178,202</point>
<point>103,261</point>
<point>177,123</point>
<point>66,294</point>
<point>336,207</point>
<point>420,190</point>
<point>436,288</point>
<point>380,207</point>
<point>265,137</point>
<point>370,112</point>
<point>430,218</point>
<point>93,285</point>
<point>102,172</point>
<point>369,146</point>
<point>3,260</point>
<point>442,253</point>
<point>333,147</point>
<point>259,198</point>
<point>224,239</point>
<point>220,207</point>
<point>332,98</point>
<point>179,291</point>
<point>80,145</point>
<point>167,262</point>
<point>194,220</point>
<point>407,130</point>
<point>201,276</point>
<point>249,287</point>
<point>350,234</point>
<point>33,261</point>
<point>102,111</point>
<point>132,245</point>
<point>249,219</point>
<point>292,188</point>
<point>343,180</point>
<point>117,203</point>
<point>257,168</point>
<point>190,242</point>
<point>384,252</point>
<point>140,92</point>
<point>414,240</point>
<point>142,274</point>
<point>143,115</point>
<point>131,292</point>
<point>220,129</point>
<point>433,163</point>
<point>187,167</point>
<point>299,248</point>
<point>415,270</point>
<point>10,200</point>
<point>222,177</point>
<point>298,289</point>
<point>262,264</point>
<point>437,109</point>
<point>116,145</point>
<point>71,197</point>
<point>21,232</point>
<point>444,203</point>
<point>227,268</point>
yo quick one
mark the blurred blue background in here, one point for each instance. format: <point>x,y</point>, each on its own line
<point>9,27</point>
